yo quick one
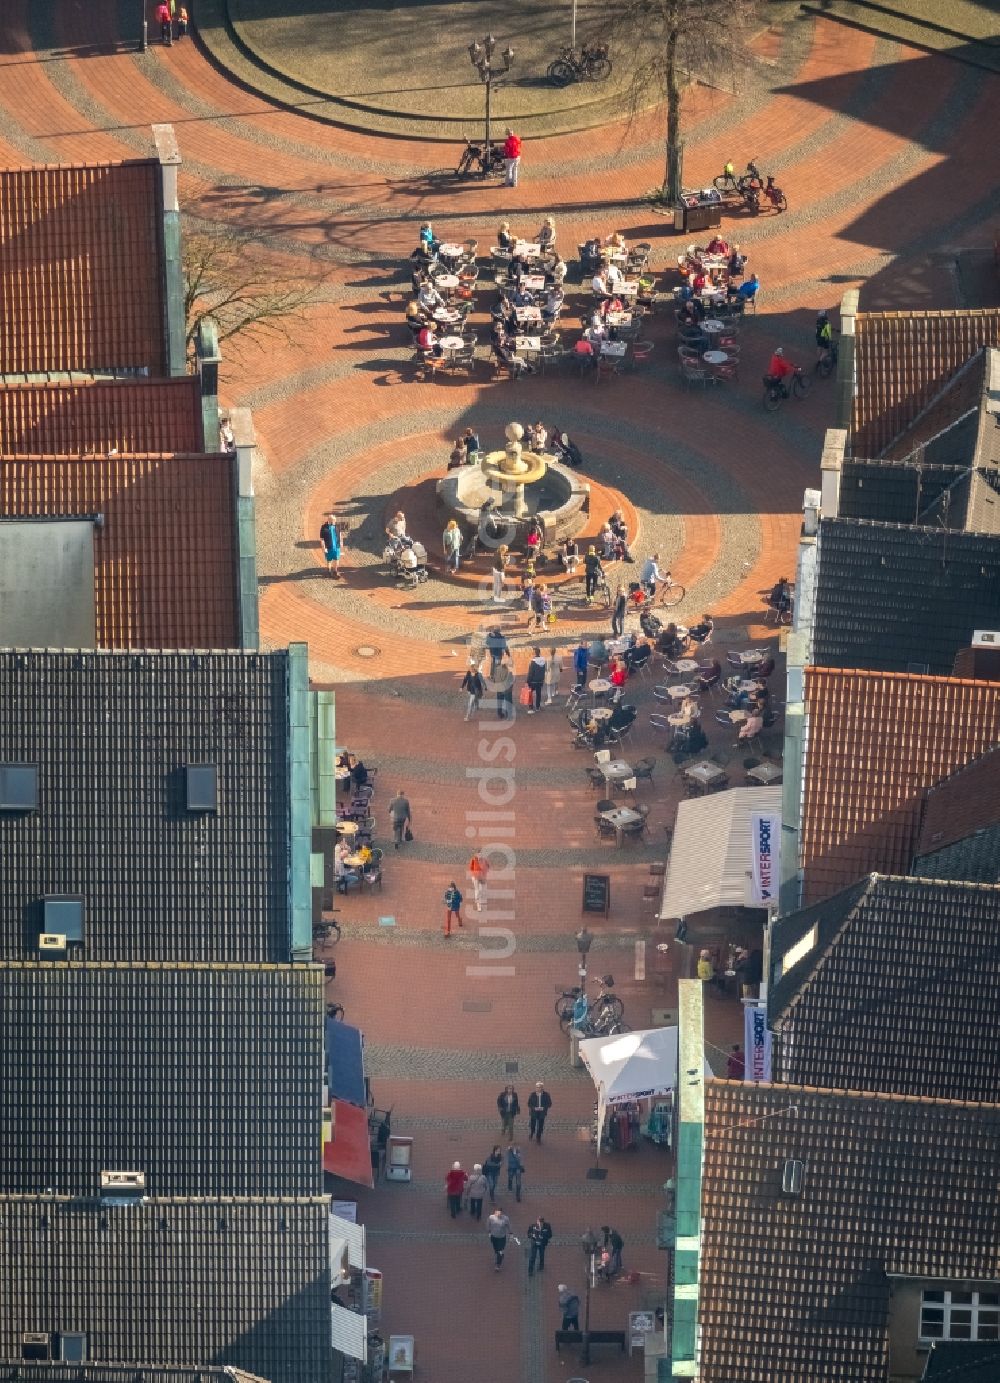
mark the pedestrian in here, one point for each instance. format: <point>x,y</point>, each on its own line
<point>736,1067</point>
<point>330,539</point>
<point>553,674</point>
<point>509,1107</point>
<point>491,1170</point>
<point>451,543</point>
<point>613,1244</point>
<point>569,1305</point>
<point>592,572</point>
<point>402,818</point>
<point>477,1187</point>
<point>505,694</point>
<point>500,563</point>
<point>454,1185</point>
<point>512,156</point>
<point>581,657</point>
<point>498,649</point>
<point>164,21</point>
<point>475,688</point>
<point>182,21</point>
<point>536,616</point>
<point>453,907</point>
<point>539,1104</point>
<point>618,612</point>
<point>498,1227</point>
<point>539,1234</point>
<point>515,1168</point>
<point>536,680</point>
<point>706,970</point>
<point>479,868</point>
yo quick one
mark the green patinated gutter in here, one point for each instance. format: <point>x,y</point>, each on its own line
<point>322,753</point>
<point>300,832</point>
<point>691,1120</point>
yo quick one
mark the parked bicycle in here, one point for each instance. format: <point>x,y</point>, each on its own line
<point>775,392</point>
<point>827,362</point>
<point>474,160</point>
<point>590,64</point>
<point>326,931</point>
<point>574,1008</point>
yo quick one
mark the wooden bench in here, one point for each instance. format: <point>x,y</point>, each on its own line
<point>597,1337</point>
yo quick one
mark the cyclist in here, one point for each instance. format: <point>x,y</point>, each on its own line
<point>651,575</point>
<point>824,335</point>
<point>781,369</point>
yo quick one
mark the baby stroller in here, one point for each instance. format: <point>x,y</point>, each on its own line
<point>397,569</point>
<point>566,451</point>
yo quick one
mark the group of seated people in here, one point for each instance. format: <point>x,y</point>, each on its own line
<point>548,261</point>
<point>703,272</point>
<point>357,783</point>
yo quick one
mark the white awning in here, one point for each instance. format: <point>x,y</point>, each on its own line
<point>710,856</point>
<point>349,1332</point>
<point>347,1248</point>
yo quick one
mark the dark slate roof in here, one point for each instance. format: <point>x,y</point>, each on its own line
<point>796,1288</point>
<point>170,1282</point>
<point>976,858</point>
<point>26,1371</point>
<point>898,992</point>
<point>111,733</point>
<point>205,1078</point>
<point>960,825</point>
<point>947,428</point>
<point>892,491</point>
<point>898,598</point>
<point>962,1361</point>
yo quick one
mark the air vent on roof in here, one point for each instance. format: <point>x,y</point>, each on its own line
<point>791,1177</point>
<point>122,1188</point>
<point>52,943</point>
<point>985,638</point>
<point>18,787</point>
<point>63,915</point>
<point>35,1345</point>
<point>201,787</point>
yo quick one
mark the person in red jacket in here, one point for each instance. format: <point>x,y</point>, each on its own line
<point>454,1185</point>
<point>512,156</point>
<point>781,368</point>
<point>165,23</point>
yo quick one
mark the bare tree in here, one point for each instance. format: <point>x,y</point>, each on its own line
<point>225,278</point>
<point>674,40</point>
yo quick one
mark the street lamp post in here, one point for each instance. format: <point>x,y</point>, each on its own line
<point>481,57</point>
<point>589,1244</point>
<point>584,941</point>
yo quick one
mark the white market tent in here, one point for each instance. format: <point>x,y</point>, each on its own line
<point>631,1066</point>
<point>710,855</point>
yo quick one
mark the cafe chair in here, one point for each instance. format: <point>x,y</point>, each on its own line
<point>606,368</point>
<point>606,830</point>
<point>723,718</point>
<point>373,874</point>
<point>596,777</point>
<point>635,830</point>
<point>694,374</point>
<point>575,696</point>
<point>604,804</point>
<point>660,723</point>
<point>602,756</point>
<point>641,353</point>
<point>644,769</point>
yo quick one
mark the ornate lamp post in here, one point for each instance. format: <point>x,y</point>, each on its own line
<point>584,941</point>
<point>589,1244</point>
<point>481,57</point>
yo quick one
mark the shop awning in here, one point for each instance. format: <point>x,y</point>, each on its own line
<point>348,1153</point>
<point>349,1332</point>
<point>631,1066</point>
<point>345,1063</point>
<point>710,856</point>
<point>347,1248</point>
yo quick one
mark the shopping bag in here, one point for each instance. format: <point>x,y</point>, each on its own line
<point>524,696</point>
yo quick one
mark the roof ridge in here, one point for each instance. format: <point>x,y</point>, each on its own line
<point>887,1097</point>
<point>13,168</point>
<point>873,673</point>
<point>973,763</point>
<point>923,314</point>
<point>64,1198</point>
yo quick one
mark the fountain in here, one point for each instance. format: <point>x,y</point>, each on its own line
<point>515,484</point>
<point>512,469</point>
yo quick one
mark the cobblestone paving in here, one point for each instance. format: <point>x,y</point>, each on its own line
<point>879,149</point>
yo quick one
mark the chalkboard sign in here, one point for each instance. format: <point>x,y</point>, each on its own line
<point>597,893</point>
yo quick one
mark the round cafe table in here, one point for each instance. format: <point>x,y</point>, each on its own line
<point>600,686</point>
<point>450,251</point>
<point>451,343</point>
<point>347,828</point>
<point>712,325</point>
<point>446,281</point>
<point>715,357</point>
<point>601,713</point>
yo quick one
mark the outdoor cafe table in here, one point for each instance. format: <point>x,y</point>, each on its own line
<point>626,289</point>
<point>705,773</point>
<point>621,817</point>
<point>450,251</point>
<point>450,344</point>
<point>712,325</point>
<point>600,686</point>
<point>527,249</point>
<point>526,315</point>
<point>446,316</point>
<point>533,282</point>
<point>619,319</point>
<point>616,771</point>
<point>347,828</point>
<point>601,713</point>
<point>686,665</point>
<point>527,343</point>
<point>679,692</point>
<point>356,861</point>
<point>715,357</point>
<point>746,687</point>
<point>446,282</point>
<point>752,655</point>
<point>616,349</point>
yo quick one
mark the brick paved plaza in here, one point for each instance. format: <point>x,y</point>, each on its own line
<point>879,148</point>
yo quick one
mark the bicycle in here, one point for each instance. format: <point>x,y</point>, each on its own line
<point>669,593</point>
<point>827,362</point>
<point>573,1006</point>
<point>473,159</point>
<point>602,592</point>
<point>775,392</point>
<point>326,931</point>
<point>591,64</point>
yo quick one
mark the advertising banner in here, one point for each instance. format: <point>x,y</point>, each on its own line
<point>765,841</point>
<point>756,1043</point>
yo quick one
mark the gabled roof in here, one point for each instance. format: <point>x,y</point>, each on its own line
<point>795,1287</point>
<point>81,268</point>
<point>897,992</point>
<point>165,557</point>
<point>87,417</point>
<point>896,597</point>
<point>902,360</point>
<point>947,427</point>
<point>960,828</point>
<point>111,734</point>
<point>875,742</point>
<point>962,1361</point>
<point>204,1078</point>
<point>173,1282</point>
<point>929,496</point>
<point>29,1371</point>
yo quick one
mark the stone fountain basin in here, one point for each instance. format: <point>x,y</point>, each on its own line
<point>560,501</point>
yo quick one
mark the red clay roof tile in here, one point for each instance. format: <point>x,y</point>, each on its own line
<point>81,268</point>
<point>93,417</point>
<point>165,560</point>
<point>876,742</point>
<point>902,360</point>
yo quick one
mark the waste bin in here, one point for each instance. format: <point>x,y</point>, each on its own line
<point>701,216</point>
